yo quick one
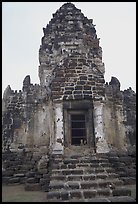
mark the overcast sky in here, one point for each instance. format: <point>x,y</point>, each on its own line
<point>22,24</point>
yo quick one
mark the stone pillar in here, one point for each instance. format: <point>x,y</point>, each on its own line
<point>101,143</point>
<point>58,146</point>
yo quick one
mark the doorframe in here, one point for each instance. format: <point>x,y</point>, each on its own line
<point>84,106</point>
<point>77,112</point>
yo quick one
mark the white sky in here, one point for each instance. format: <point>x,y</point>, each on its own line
<point>22,24</point>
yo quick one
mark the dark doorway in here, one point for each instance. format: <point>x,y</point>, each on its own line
<point>78,123</point>
<point>78,129</point>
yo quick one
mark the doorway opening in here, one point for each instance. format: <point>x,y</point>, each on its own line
<point>78,123</point>
<point>78,129</point>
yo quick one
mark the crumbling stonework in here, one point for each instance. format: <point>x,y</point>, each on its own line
<point>72,83</point>
<point>118,127</point>
<point>24,113</point>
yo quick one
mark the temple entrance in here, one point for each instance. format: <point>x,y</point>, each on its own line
<point>78,129</point>
<point>78,124</point>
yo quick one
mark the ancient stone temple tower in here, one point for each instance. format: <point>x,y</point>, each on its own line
<point>73,105</point>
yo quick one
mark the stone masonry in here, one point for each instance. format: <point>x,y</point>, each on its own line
<point>72,105</point>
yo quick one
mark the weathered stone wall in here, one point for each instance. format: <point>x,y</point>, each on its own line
<point>117,113</point>
<point>27,116</point>
<point>42,125</point>
<point>26,166</point>
<point>114,127</point>
<point>100,138</point>
<point>13,117</point>
<point>129,104</point>
<point>77,79</point>
<point>58,144</point>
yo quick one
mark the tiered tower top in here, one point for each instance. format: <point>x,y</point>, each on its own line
<point>69,42</point>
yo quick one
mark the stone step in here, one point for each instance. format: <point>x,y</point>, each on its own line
<point>130,172</point>
<point>85,160</point>
<point>128,180</point>
<point>85,177</point>
<point>58,185</point>
<point>88,179</point>
<point>81,165</point>
<point>81,171</point>
<point>100,199</point>
<point>85,194</point>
